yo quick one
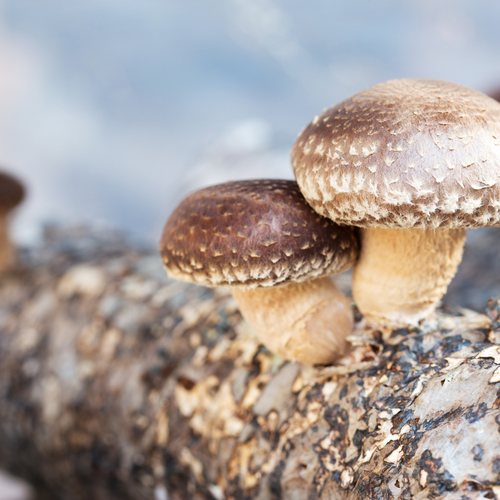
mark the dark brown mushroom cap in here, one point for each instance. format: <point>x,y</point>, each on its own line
<point>253,233</point>
<point>11,192</point>
<point>403,154</point>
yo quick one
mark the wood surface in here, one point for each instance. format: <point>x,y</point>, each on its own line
<point>117,383</point>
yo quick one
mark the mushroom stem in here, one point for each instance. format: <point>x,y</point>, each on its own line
<point>307,321</point>
<point>6,248</point>
<point>402,274</point>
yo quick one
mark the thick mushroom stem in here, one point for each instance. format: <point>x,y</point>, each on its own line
<point>7,252</point>
<point>307,321</point>
<point>402,274</point>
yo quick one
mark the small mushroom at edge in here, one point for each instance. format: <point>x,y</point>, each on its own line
<point>12,193</point>
<point>261,240</point>
<point>413,163</point>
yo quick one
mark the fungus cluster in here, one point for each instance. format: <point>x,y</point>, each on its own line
<point>412,163</point>
<point>261,240</point>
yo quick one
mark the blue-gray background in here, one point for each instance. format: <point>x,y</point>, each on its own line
<point>111,110</point>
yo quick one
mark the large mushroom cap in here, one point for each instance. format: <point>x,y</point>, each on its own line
<point>404,154</point>
<point>253,233</point>
<point>12,192</point>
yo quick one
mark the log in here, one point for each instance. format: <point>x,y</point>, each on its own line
<point>116,382</point>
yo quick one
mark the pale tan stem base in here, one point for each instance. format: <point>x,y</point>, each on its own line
<point>403,273</point>
<point>7,252</point>
<point>307,322</point>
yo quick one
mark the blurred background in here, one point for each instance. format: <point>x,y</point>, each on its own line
<point>112,110</point>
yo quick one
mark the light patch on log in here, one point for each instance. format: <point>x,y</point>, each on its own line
<point>50,398</point>
<point>187,458</point>
<point>395,456</point>
<point>190,400</point>
<point>109,343</point>
<point>27,340</point>
<point>85,279</point>
<point>495,377</point>
<point>491,352</point>
<point>423,478</point>
<point>162,428</point>
<point>136,288</point>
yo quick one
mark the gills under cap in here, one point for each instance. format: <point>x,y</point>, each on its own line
<point>253,234</point>
<point>404,154</point>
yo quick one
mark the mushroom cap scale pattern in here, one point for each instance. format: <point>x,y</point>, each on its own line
<point>253,233</point>
<point>403,154</point>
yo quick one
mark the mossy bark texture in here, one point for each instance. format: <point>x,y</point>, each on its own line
<point>116,383</point>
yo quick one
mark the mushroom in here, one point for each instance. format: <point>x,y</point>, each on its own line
<point>11,194</point>
<point>413,163</point>
<point>263,241</point>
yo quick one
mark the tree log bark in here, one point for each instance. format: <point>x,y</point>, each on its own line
<point>118,383</point>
